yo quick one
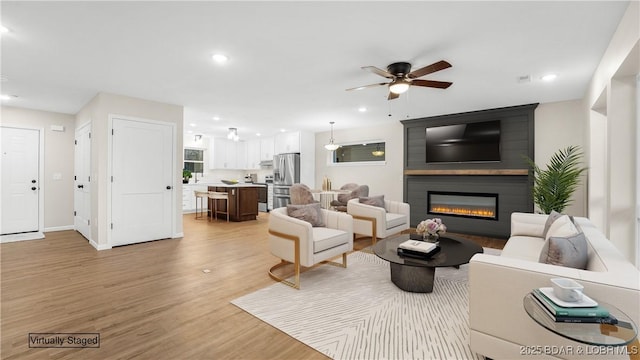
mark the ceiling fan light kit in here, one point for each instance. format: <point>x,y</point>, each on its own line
<point>399,86</point>
<point>331,146</point>
<point>402,77</point>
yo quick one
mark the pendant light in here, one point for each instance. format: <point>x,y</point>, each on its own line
<point>233,134</point>
<point>377,151</point>
<point>331,146</point>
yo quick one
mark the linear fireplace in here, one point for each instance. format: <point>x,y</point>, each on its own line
<point>463,204</point>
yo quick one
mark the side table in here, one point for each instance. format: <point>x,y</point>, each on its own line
<point>621,334</point>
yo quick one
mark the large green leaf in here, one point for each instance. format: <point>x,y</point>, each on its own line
<point>553,186</point>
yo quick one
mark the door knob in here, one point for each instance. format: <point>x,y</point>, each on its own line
<point>168,187</point>
<point>80,186</point>
<point>33,181</point>
<point>33,188</point>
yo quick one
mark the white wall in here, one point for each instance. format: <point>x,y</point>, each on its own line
<point>382,179</point>
<point>97,112</point>
<point>611,101</point>
<point>58,159</point>
<point>557,126</point>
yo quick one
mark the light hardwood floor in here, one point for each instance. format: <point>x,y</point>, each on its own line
<point>147,301</point>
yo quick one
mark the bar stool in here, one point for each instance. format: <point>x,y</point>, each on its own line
<point>200,195</point>
<point>215,196</point>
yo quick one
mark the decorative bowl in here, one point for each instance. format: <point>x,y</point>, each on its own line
<point>230,182</point>
<point>567,289</point>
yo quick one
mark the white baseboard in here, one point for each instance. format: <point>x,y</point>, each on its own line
<point>59,228</point>
<point>99,247</point>
<point>36,235</point>
<point>178,235</point>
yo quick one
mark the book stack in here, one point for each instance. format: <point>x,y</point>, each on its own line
<point>583,311</point>
<point>418,249</point>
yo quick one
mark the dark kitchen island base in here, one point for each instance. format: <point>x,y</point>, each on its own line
<point>243,202</point>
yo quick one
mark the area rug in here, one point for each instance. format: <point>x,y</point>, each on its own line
<point>358,313</point>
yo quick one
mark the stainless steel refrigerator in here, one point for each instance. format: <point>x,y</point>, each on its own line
<point>286,172</point>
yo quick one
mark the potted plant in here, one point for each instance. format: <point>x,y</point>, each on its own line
<point>553,186</point>
<point>186,175</point>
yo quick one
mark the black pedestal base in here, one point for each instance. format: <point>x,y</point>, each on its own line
<point>416,279</point>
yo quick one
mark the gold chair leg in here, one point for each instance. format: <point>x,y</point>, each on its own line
<point>374,230</point>
<point>295,284</point>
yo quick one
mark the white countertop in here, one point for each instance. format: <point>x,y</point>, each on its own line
<point>221,184</point>
<point>240,184</point>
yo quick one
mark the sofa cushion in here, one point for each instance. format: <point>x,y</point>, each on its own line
<point>562,227</point>
<point>523,248</point>
<point>394,220</point>
<point>311,213</point>
<point>550,219</point>
<point>326,238</point>
<point>570,251</point>
<point>373,200</point>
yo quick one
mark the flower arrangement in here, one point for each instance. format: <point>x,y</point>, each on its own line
<point>433,227</point>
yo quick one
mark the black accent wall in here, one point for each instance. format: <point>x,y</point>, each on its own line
<point>508,177</point>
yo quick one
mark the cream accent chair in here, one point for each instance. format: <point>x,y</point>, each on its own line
<point>296,242</point>
<point>379,222</point>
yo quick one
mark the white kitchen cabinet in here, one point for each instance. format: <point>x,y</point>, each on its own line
<point>266,149</point>
<point>224,154</point>
<point>288,142</point>
<point>241,154</point>
<point>253,154</point>
<point>189,197</point>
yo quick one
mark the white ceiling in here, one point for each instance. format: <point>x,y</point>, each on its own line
<point>290,62</point>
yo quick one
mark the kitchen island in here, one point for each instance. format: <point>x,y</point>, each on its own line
<point>243,201</point>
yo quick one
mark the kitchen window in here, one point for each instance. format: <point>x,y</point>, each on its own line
<point>194,160</point>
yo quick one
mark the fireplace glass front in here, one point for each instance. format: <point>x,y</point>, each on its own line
<point>470,205</point>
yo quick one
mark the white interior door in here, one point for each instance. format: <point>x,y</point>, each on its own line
<point>82,182</point>
<point>142,195</point>
<point>20,180</point>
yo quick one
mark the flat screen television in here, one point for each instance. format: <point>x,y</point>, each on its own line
<point>474,142</point>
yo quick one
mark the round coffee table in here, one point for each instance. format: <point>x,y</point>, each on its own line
<point>417,275</point>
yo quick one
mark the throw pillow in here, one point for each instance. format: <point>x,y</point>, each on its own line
<point>311,213</point>
<point>301,194</point>
<point>570,251</point>
<point>562,227</point>
<point>552,217</point>
<point>372,200</point>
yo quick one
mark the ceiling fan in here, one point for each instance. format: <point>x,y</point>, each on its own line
<point>402,77</point>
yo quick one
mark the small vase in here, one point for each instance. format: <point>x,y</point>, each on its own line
<point>430,237</point>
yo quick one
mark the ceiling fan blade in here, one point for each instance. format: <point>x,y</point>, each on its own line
<point>378,71</point>
<point>393,96</point>
<point>367,86</point>
<point>437,66</point>
<point>431,83</point>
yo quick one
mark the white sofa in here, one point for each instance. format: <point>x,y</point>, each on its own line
<point>499,325</point>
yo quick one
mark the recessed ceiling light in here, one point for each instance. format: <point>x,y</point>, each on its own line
<point>549,77</point>
<point>193,124</point>
<point>283,130</point>
<point>3,30</point>
<point>216,118</point>
<point>7,97</point>
<point>220,58</point>
<point>362,109</point>
<point>258,134</point>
